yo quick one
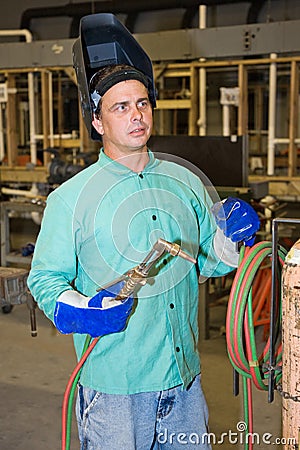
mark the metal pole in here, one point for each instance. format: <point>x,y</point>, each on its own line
<point>272,115</point>
<point>202,79</point>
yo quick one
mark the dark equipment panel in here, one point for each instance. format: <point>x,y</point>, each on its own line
<point>223,161</point>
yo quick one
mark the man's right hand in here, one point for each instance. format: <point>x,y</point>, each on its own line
<point>96,316</point>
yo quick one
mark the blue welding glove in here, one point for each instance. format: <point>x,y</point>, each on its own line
<point>96,316</point>
<point>237,219</point>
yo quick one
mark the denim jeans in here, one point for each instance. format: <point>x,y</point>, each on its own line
<point>173,419</point>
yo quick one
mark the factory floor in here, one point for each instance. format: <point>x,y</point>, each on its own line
<point>34,373</point>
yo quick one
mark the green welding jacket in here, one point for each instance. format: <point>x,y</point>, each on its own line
<point>103,222</point>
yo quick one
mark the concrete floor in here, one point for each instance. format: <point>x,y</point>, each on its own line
<point>34,373</point>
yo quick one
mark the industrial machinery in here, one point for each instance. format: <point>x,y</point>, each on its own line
<point>14,291</point>
<point>254,67</point>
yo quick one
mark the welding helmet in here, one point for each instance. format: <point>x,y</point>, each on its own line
<point>103,41</point>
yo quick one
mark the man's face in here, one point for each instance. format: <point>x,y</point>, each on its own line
<point>126,118</point>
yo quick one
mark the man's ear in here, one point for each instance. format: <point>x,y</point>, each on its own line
<point>97,124</point>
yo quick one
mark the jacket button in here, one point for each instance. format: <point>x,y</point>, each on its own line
<point>172,305</point>
<point>154,217</point>
<point>177,349</point>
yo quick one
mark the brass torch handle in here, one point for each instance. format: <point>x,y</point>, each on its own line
<point>135,277</point>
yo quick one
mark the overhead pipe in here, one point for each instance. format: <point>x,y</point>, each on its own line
<point>118,6</point>
<point>188,16</point>
<point>130,20</point>
<point>23,32</point>
<point>254,10</point>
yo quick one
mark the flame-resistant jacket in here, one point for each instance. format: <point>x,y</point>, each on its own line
<point>103,222</point>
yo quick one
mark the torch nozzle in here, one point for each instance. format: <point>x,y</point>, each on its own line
<point>173,249</point>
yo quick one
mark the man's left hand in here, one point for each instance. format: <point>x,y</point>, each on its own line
<point>237,219</point>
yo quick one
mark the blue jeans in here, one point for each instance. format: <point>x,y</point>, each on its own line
<point>173,419</point>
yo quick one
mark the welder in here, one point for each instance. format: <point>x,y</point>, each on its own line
<point>142,381</point>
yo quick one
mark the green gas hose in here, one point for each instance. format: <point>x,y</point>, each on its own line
<point>240,328</point>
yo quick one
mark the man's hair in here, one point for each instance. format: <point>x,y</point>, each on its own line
<point>107,77</point>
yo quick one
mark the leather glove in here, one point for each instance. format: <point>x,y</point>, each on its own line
<point>237,219</point>
<point>96,316</point>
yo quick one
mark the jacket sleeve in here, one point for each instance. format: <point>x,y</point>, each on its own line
<point>54,261</point>
<point>210,262</point>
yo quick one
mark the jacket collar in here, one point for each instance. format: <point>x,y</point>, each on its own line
<point>114,166</point>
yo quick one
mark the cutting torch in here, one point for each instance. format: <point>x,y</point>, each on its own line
<point>138,275</point>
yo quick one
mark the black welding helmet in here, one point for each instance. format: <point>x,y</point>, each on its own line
<point>103,40</point>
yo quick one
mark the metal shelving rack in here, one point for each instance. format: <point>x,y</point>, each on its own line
<point>10,256</point>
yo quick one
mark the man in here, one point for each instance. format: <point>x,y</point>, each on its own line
<point>140,387</point>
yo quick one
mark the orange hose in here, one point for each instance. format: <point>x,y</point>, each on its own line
<point>68,389</point>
